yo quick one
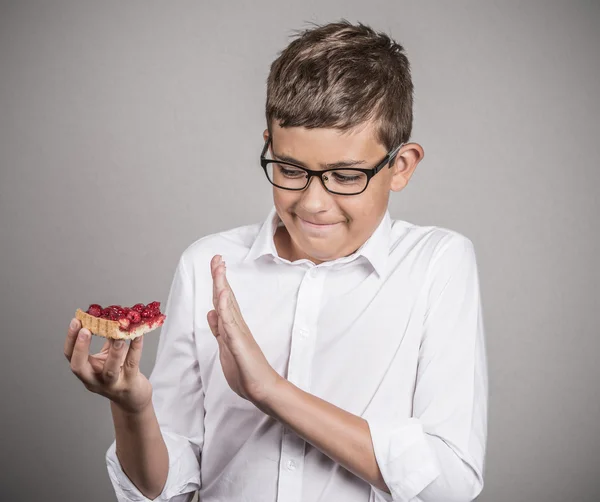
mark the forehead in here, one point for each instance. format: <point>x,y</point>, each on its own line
<point>326,145</point>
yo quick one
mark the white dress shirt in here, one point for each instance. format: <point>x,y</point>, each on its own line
<point>392,333</point>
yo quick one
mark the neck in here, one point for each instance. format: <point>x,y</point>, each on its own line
<point>286,249</point>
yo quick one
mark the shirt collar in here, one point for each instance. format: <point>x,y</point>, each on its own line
<point>375,249</point>
<point>263,243</point>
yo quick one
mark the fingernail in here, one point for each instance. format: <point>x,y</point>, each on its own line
<point>118,344</point>
<point>73,324</point>
<point>84,334</point>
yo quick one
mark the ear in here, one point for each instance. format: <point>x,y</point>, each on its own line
<point>405,164</point>
<point>265,135</point>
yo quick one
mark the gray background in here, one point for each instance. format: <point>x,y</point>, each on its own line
<point>130,129</point>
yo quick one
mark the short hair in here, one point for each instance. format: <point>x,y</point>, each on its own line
<point>341,76</point>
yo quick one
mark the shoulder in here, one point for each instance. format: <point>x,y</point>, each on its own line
<point>431,244</point>
<point>233,243</point>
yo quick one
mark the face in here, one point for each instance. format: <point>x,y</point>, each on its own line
<point>322,226</point>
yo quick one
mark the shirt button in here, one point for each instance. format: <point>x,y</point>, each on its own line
<point>304,333</point>
<point>313,272</point>
<point>291,465</point>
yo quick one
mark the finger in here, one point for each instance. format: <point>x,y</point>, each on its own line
<point>114,361</point>
<point>72,331</point>
<point>230,303</point>
<point>216,327</point>
<point>222,345</point>
<point>213,322</point>
<point>214,263</point>
<point>80,364</point>
<point>97,362</point>
<point>229,331</point>
<point>98,359</point>
<point>131,366</point>
<point>219,282</point>
<point>228,286</point>
<point>225,310</point>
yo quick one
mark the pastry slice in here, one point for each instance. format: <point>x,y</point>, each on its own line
<point>125,323</point>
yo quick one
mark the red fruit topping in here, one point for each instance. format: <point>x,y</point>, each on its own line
<point>112,312</point>
<point>129,318</point>
<point>147,313</point>
<point>134,316</point>
<point>95,310</point>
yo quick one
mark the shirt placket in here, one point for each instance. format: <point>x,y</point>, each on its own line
<point>304,330</point>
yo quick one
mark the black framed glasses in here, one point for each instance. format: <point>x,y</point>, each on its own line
<point>345,181</point>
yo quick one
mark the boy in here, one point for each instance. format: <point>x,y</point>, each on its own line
<point>331,353</point>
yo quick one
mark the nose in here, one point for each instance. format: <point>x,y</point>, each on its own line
<point>314,197</point>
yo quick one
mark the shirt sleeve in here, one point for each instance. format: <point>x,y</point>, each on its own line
<point>178,400</point>
<point>438,454</point>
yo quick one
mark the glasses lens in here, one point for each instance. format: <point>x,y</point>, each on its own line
<point>286,176</point>
<point>341,181</point>
<point>345,181</point>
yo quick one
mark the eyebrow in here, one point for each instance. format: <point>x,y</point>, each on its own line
<point>334,165</point>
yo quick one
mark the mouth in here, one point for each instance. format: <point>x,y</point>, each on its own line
<point>317,226</point>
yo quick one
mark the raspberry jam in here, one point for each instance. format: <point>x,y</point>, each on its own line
<point>129,318</point>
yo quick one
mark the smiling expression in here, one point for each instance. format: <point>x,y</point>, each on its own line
<point>321,226</point>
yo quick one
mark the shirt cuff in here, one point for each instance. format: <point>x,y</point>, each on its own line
<point>183,477</point>
<point>407,461</point>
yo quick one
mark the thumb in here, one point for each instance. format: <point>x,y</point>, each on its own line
<point>213,322</point>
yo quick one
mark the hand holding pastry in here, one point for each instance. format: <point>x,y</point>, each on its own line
<point>114,371</point>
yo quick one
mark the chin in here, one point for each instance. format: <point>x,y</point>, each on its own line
<point>321,254</point>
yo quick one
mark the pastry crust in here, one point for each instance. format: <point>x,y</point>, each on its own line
<point>110,329</point>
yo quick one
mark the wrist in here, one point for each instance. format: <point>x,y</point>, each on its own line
<point>273,393</point>
<point>130,415</point>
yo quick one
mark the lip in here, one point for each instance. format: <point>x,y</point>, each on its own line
<point>317,226</point>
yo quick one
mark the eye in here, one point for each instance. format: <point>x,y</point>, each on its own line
<point>347,177</point>
<point>290,172</point>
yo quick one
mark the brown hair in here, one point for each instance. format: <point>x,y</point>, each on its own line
<point>341,75</point>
